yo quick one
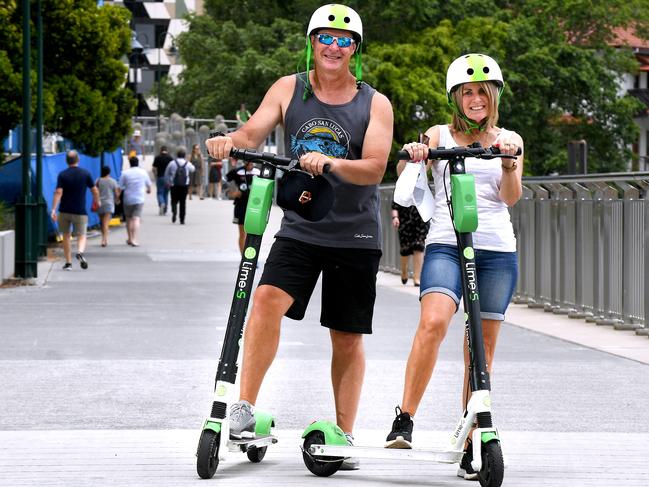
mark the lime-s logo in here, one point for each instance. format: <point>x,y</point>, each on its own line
<point>241,294</point>
<point>250,253</point>
<point>468,253</point>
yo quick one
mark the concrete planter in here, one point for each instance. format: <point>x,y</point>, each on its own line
<point>7,254</point>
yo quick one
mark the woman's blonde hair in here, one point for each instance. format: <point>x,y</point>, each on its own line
<point>459,122</point>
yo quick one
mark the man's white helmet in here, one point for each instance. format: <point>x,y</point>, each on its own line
<point>471,68</point>
<point>336,16</point>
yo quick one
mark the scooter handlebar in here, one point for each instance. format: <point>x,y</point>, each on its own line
<point>475,150</point>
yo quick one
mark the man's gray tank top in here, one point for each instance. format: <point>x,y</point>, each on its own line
<point>337,131</point>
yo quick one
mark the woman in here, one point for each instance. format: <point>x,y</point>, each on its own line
<point>215,178</point>
<point>473,84</point>
<point>108,194</point>
<point>412,235</point>
<point>197,183</point>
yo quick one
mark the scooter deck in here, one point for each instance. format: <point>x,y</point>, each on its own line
<point>257,442</point>
<point>448,456</point>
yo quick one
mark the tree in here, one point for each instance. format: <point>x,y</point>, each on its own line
<point>83,73</point>
<point>562,77</point>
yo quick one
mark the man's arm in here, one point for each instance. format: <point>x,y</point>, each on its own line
<point>265,119</point>
<point>55,203</point>
<point>376,149</point>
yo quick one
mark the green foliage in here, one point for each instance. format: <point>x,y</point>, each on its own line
<point>7,217</point>
<point>562,76</point>
<point>238,64</point>
<point>84,97</point>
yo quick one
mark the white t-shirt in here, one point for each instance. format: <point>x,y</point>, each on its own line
<point>134,182</point>
<point>495,231</point>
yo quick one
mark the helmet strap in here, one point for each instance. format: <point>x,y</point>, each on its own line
<point>307,82</point>
<point>359,67</point>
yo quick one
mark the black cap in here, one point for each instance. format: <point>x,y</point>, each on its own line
<point>309,196</point>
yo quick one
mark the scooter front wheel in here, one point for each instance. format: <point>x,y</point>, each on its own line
<point>256,455</point>
<point>207,455</point>
<point>321,466</point>
<point>493,466</point>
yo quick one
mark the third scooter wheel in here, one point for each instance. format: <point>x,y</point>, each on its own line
<point>256,455</point>
<point>493,466</point>
<point>322,466</point>
<point>207,455</point>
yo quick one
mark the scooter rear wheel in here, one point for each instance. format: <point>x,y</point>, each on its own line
<point>493,466</point>
<point>323,466</point>
<point>256,455</point>
<point>207,455</point>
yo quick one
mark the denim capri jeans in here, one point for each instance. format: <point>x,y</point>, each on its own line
<point>497,273</point>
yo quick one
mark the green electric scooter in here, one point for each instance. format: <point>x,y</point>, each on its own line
<point>215,442</point>
<point>325,446</point>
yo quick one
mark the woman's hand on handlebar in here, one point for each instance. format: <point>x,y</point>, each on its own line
<point>508,145</point>
<point>418,152</point>
<point>219,147</point>
<point>314,163</point>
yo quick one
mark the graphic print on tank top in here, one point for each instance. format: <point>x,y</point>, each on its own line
<point>321,135</point>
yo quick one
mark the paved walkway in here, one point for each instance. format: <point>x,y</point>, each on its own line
<point>107,375</point>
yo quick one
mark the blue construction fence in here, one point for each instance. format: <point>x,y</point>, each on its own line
<point>11,179</point>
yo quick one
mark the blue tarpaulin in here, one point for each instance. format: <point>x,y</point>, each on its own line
<point>11,178</point>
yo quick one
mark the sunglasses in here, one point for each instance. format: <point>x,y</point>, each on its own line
<point>328,39</point>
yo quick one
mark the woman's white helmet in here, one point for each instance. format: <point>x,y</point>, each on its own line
<point>336,16</point>
<point>471,68</point>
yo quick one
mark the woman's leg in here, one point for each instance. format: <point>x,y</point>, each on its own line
<point>490,330</point>
<point>417,261</point>
<point>242,238</point>
<point>404,269</point>
<point>437,309</point>
<point>105,220</point>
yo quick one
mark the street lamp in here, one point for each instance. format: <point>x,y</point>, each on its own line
<point>136,49</point>
<point>172,51</point>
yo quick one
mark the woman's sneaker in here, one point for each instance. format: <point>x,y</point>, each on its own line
<point>350,463</point>
<point>401,434</point>
<point>242,420</point>
<point>466,470</point>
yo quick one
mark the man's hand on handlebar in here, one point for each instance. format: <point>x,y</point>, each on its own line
<point>417,152</point>
<point>219,147</point>
<point>315,162</point>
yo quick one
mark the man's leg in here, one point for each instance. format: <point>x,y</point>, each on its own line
<point>347,372</point>
<point>261,338</point>
<point>174,203</point>
<point>134,227</point>
<point>182,201</point>
<point>67,247</point>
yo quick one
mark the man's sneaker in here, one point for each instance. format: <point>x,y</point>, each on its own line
<point>401,434</point>
<point>242,420</point>
<point>466,470</point>
<point>82,261</point>
<point>350,463</point>
<point>67,266</point>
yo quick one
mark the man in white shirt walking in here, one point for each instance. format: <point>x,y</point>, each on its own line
<point>134,182</point>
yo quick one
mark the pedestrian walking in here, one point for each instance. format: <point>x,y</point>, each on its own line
<point>215,179</point>
<point>71,186</point>
<point>241,181</point>
<point>178,175</point>
<point>134,182</point>
<point>109,192</point>
<point>330,117</point>
<point>198,176</point>
<point>160,163</point>
<point>412,235</point>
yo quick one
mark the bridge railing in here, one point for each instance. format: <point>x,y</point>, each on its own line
<point>583,244</point>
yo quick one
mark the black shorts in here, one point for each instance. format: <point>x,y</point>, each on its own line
<point>348,281</point>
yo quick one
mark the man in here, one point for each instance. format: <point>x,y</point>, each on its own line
<point>177,175</point>
<point>242,115</point>
<point>134,182</point>
<point>160,164</point>
<point>71,185</point>
<point>329,117</point>
<point>241,179</point>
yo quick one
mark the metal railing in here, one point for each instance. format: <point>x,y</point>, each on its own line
<point>583,245</point>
